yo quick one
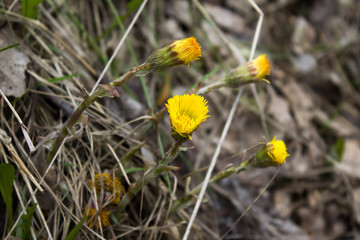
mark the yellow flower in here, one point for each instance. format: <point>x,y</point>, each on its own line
<point>261,65</point>
<point>272,154</point>
<point>104,217</point>
<point>186,113</point>
<point>177,53</point>
<point>250,72</point>
<point>91,217</point>
<point>277,151</point>
<point>187,49</point>
<point>109,184</point>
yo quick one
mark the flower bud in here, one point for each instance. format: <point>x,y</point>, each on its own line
<point>249,72</point>
<point>271,155</point>
<point>175,54</point>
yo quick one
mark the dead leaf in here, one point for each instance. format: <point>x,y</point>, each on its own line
<point>351,161</point>
<point>12,67</point>
<point>225,18</point>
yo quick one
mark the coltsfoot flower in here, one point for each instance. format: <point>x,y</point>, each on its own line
<point>186,113</point>
<point>272,154</point>
<point>109,184</point>
<point>249,72</point>
<point>187,49</point>
<point>91,217</point>
<point>261,65</point>
<point>177,53</point>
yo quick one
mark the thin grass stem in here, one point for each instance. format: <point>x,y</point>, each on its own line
<point>230,117</point>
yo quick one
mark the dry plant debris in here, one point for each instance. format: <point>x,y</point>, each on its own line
<point>312,103</point>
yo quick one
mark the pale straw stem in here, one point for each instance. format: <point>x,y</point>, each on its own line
<point>23,127</point>
<point>212,164</point>
<point>119,45</point>
<point>252,53</point>
<point>226,127</point>
<point>120,165</point>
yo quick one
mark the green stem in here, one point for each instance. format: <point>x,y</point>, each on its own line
<point>219,84</point>
<point>210,87</point>
<point>152,174</point>
<point>190,197</point>
<point>90,99</point>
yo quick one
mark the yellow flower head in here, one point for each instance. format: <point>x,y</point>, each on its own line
<point>276,149</point>
<point>250,72</point>
<point>109,184</point>
<point>186,113</point>
<point>176,53</point>
<point>261,65</point>
<point>272,154</point>
<point>187,49</point>
<point>91,217</point>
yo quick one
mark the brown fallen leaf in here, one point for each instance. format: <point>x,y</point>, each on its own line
<point>12,66</point>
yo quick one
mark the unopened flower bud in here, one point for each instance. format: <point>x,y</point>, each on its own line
<point>177,53</point>
<point>271,155</point>
<point>249,72</point>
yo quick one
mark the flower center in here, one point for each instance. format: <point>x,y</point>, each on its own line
<point>186,123</point>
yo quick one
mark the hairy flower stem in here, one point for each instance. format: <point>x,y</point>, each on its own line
<point>221,83</point>
<point>190,197</point>
<point>102,91</point>
<point>206,89</point>
<point>162,166</point>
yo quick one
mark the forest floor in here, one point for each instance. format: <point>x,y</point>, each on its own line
<point>312,103</point>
